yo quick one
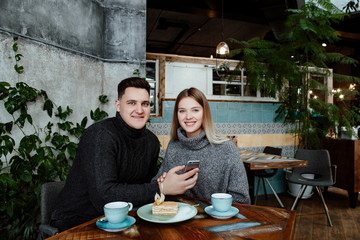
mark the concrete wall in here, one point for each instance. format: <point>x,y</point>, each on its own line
<point>69,79</point>
<point>104,42</point>
<point>113,30</point>
<point>75,50</point>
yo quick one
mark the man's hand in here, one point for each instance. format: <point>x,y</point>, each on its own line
<point>175,184</point>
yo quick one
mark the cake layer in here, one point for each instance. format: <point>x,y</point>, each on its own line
<point>165,208</point>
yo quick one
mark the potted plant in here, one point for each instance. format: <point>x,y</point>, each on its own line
<point>286,68</point>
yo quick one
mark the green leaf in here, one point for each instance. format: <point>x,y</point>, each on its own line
<point>26,176</point>
<point>71,148</point>
<point>8,126</point>
<point>18,57</point>
<point>29,143</point>
<point>44,94</point>
<point>19,69</point>
<point>10,209</point>
<point>59,140</point>
<point>49,126</point>
<point>15,47</point>
<point>48,106</point>
<point>9,143</point>
<point>84,122</point>
<point>98,114</point>
<point>63,115</point>
<point>103,99</point>
<point>21,119</point>
<point>66,126</point>
<point>4,90</point>
<point>136,72</point>
<point>29,118</point>
<point>11,106</point>
<point>61,157</point>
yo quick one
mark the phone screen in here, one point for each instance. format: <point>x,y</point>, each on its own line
<point>191,164</point>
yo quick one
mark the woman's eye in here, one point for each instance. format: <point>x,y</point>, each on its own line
<point>181,111</point>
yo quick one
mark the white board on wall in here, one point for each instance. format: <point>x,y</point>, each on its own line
<point>185,75</point>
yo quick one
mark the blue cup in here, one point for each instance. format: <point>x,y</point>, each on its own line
<point>116,212</point>
<point>221,202</point>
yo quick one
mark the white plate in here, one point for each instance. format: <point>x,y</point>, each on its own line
<point>103,224</point>
<point>221,215</point>
<point>185,212</point>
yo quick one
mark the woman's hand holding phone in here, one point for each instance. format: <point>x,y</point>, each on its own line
<point>175,184</point>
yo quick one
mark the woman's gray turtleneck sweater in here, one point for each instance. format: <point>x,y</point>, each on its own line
<point>221,168</point>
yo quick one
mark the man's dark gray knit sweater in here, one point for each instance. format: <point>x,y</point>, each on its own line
<point>114,162</point>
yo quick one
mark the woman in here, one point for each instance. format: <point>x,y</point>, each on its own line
<point>194,137</point>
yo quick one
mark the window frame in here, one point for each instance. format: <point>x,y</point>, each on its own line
<point>156,82</point>
<point>242,84</point>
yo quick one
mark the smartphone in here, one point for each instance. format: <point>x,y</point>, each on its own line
<point>191,164</point>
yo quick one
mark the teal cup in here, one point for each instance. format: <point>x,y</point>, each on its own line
<point>116,212</point>
<point>221,202</point>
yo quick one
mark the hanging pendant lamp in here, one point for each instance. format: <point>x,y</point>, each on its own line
<point>222,48</point>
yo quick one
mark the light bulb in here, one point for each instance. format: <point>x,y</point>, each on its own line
<point>222,48</point>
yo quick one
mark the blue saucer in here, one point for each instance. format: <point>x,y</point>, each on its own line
<point>221,215</point>
<point>103,224</point>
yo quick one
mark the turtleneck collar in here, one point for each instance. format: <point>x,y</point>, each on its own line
<point>197,142</point>
<point>129,131</point>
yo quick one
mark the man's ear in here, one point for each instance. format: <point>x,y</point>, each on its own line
<point>117,105</point>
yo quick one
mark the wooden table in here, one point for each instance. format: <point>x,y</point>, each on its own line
<point>258,160</point>
<point>252,222</point>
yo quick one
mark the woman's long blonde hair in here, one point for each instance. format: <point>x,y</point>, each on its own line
<point>207,124</point>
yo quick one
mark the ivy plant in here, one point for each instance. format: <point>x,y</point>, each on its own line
<point>41,154</point>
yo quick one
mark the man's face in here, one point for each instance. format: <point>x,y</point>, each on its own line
<point>134,107</point>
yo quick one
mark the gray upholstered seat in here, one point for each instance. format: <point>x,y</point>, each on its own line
<point>318,164</point>
<point>49,194</point>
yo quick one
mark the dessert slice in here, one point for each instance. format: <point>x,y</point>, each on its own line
<point>165,208</point>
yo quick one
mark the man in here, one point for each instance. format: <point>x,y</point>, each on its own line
<point>115,161</point>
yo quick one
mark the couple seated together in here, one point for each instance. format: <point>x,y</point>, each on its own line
<point>117,158</point>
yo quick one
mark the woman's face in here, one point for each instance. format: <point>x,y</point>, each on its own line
<point>190,116</point>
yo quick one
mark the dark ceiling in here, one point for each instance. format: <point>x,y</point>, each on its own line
<point>194,27</point>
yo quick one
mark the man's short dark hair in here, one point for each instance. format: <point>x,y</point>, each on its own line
<point>132,82</point>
